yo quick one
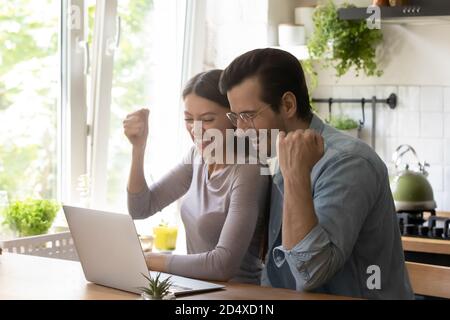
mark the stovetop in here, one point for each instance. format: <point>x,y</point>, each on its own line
<point>414,224</point>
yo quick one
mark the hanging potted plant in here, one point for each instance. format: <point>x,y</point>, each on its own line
<point>343,44</point>
<point>345,124</point>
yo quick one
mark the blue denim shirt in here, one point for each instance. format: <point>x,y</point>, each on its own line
<point>355,249</point>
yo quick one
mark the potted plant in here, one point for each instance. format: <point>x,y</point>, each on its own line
<point>30,217</point>
<point>343,44</point>
<point>156,289</point>
<point>345,124</point>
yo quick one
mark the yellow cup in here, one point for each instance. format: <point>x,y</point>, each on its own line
<point>165,237</point>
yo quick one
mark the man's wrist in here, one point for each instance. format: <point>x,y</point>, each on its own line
<point>297,180</point>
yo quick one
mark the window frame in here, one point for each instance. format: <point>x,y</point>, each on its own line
<point>105,40</point>
<point>106,35</point>
<point>194,39</point>
<point>72,124</point>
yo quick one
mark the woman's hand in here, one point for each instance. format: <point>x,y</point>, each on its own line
<point>135,127</point>
<point>155,261</point>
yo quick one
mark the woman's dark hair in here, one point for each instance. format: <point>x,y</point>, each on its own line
<point>206,85</point>
<point>277,72</point>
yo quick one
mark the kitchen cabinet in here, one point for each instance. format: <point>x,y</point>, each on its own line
<point>416,12</point>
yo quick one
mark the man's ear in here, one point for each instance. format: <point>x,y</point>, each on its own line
<point>289,105</point>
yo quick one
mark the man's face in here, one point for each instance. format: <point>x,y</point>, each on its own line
<point>245,98</point>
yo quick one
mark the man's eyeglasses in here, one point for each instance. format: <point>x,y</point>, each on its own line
<point>247,117</point>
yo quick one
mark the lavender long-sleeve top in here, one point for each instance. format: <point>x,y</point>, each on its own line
<point>222,215</point>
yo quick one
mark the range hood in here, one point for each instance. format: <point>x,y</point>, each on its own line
<point>416,12</point>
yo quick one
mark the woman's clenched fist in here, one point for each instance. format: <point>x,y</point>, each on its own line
<point>135,127</point>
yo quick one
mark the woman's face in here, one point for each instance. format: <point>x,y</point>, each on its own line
<point>212,116</point>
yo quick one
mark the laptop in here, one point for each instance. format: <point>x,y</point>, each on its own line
<point>111,254</point>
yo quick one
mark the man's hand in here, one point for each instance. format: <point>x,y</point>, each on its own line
<point>298,152</point>
<point>135,127</point>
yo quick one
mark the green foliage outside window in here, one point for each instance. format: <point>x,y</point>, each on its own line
<point>28,58</point>
<point>28,97</point>
<point>29,90</point>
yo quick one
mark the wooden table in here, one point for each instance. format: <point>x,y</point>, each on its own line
<point>29,277</point>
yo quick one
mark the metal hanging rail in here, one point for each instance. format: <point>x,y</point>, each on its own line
<point>391,101</point>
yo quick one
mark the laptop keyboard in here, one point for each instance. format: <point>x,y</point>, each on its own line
<point>177,288</point>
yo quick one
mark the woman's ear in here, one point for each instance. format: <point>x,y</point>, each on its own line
<point>289,105</point>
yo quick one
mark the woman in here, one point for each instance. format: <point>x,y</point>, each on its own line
<point>223,205</point>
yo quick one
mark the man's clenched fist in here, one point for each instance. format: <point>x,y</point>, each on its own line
<point>299,151</point>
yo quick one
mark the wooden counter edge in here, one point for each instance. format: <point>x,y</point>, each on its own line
<point>425,245</point>
<point>416,244</point>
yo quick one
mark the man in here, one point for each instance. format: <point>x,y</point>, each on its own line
<point>332,226</point>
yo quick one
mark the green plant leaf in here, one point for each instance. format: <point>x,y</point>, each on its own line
<point>31,216</point>
<point>343,44</point>
<point>343,123</point>
<point>156,288</point>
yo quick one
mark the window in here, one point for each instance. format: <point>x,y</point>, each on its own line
<point>146,73</point>
<point>29,97</point>
<point>70,71</point>
<point>43,63</point>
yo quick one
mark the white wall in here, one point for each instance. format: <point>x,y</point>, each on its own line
<point>236,26</point>
<point>416,64</point>
<point>421,119</point>
<point>410,55</point>
<point>281,11</point>
<point>233,27</point>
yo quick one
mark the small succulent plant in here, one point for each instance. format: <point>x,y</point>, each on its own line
<point>156,289</point>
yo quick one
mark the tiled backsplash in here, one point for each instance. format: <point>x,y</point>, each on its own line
<point>421,119</point>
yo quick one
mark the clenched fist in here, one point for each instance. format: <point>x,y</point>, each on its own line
<point>298,152</point>
<point>135,127</point>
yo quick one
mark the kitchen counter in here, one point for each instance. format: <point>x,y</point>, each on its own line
<point>443,214</point>
<point>30,277</point>
<point>428,245</point>
<point>417,244</point>
<point>428,250</point>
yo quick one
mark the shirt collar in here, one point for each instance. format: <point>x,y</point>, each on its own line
<point>316,124</point>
